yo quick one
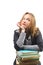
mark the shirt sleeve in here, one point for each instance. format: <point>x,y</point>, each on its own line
<point>39,41</point>
<point>21,39</point>
<point>31,47</point>
<point>18,40</point>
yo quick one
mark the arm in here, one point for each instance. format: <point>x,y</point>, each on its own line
<point>31,47</point>
<point>39,41</point>
<point>22,36</point>
<point>19,40</point>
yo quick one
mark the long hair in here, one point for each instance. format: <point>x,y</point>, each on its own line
<point>33,29</point>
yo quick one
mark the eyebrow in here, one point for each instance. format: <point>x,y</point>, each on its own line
<point>28,19</point>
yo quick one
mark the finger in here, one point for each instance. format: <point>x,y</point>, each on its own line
<point>18,24</point>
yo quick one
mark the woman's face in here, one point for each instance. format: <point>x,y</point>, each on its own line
<point>26,21</point>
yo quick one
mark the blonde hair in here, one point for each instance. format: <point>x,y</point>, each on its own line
<point>34,30</point>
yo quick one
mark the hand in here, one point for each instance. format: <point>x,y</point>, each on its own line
<point>21,26</point>
<point>18,24</point>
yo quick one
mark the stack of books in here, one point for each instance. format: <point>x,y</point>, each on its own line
<point>27,57</point>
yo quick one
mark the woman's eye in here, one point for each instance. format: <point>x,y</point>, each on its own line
<point>28,19</point>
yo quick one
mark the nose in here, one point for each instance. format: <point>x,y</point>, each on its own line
<point>24,21</point>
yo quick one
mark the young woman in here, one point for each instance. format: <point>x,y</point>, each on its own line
<point>28,36</point>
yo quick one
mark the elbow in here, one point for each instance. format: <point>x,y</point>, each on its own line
<point>40,48</point>
<point>19,44</point>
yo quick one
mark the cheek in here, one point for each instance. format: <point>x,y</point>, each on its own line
<point>21,23</point>
<point>28,24</point>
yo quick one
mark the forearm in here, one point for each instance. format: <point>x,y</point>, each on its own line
<point>31,47</point>
<point>21,39</point>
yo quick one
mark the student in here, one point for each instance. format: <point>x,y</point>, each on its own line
<point>28,36</point>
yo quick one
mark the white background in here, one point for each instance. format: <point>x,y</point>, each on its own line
<point>11,12</point>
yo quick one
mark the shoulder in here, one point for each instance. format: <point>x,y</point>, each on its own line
<point>16,32</point>
<point>38,33</point>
